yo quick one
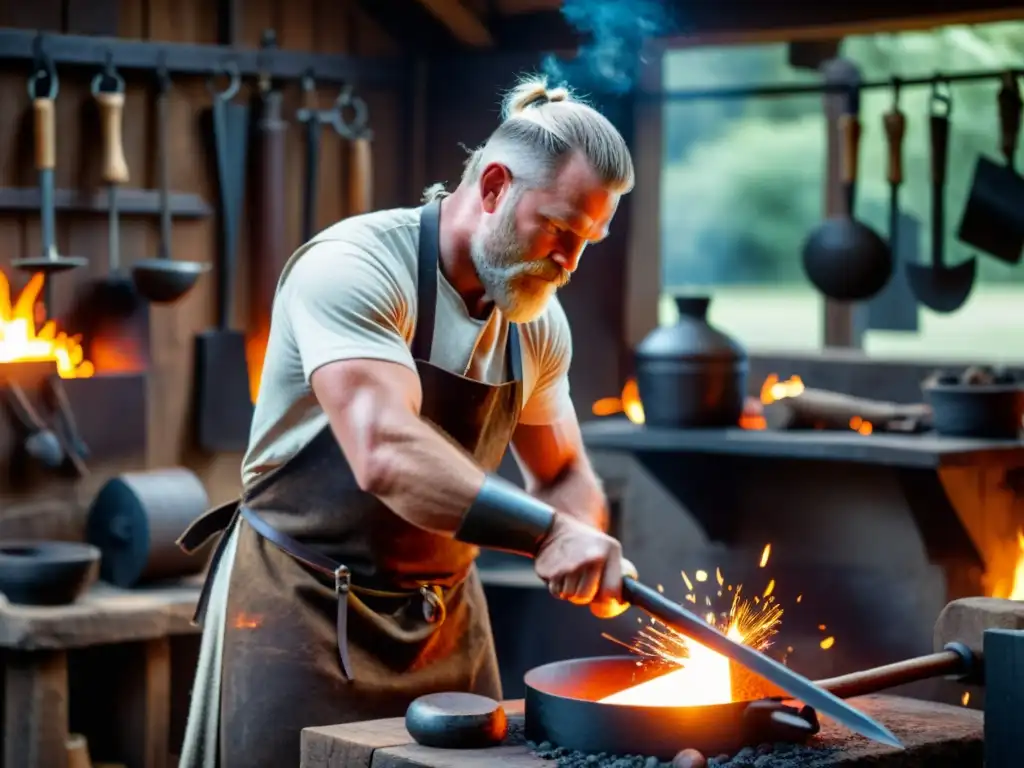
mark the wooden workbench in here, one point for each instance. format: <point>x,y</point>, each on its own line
<point>934,735</point>
<point>35,641</point>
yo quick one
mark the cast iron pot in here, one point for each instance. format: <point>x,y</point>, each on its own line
<point>991,411</point>
<point>691,374</point>
<point>46,572</point>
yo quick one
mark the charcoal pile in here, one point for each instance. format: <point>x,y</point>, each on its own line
<point>780,755</point>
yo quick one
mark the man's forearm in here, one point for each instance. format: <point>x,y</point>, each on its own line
<point>578,492</point>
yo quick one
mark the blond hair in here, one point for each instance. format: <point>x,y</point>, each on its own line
<point>541,128</point>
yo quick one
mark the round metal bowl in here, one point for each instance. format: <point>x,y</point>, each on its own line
<point>46,572</point>
<point>563,707</point>
<point>162,281</point>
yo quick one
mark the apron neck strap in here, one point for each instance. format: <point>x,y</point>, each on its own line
<point>426,283</point>
<point>426,293</point>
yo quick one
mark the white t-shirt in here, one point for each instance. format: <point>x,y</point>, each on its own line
<point>350,293</point>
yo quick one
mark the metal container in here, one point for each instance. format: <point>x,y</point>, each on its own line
<point>691,374</point>
<point>992,411</point>
<point>46,572</point>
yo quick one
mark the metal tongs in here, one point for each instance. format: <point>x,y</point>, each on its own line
<point>56,446</point>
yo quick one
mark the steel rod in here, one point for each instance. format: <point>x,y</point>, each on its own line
<point>196,59</point>
<point>805,89</point>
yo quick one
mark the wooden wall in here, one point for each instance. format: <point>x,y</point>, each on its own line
<point>323,26</point>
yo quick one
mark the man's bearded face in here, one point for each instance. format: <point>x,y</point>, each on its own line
<point>519,285</point>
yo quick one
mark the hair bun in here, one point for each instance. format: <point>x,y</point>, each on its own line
<point>532,92</point>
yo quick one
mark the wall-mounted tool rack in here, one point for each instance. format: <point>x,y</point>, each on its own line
<point>195,59</point>
<point>131,202</point>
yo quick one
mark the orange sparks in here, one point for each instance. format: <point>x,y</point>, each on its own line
<point>765,555</point>
<point>701,575</point>
<point>966,698</point>
<point>827,643</point>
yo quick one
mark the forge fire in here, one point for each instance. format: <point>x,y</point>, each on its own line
<point>696,675</point>
<point>21,342</point>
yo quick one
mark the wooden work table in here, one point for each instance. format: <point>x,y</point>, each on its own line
<point>36,641</point>
<point>933,734</point>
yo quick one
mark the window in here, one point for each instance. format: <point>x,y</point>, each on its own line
<point>742,187</point>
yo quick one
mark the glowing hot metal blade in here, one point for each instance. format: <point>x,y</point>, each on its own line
<point>796,685</point>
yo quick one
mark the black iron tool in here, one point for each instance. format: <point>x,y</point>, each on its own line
<point>993,220</point>
<point>223,402</point>
<point>799,687</point>
<point>43,87</point>
<point>895,124</point>
<point>845,259</point>
<point>939,287</point>
<point>163,280</point>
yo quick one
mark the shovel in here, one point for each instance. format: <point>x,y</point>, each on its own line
<point>993,221</point>
<point>939,287</point>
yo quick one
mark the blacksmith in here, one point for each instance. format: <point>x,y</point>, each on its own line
<point>408,349</point>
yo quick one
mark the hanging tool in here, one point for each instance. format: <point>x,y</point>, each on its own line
<point>223,404</point>
<point>799,687</point>
<point>844,258</point>
<point>43,87</point>
<point>993,220</point>
<point>310,116</point>
<point>119,297</point>
<point>269,226</point>
<point>163,280</point>
<point>939,287</point>
<point>360,192</point>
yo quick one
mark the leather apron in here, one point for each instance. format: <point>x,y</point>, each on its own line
<point>338,610</point>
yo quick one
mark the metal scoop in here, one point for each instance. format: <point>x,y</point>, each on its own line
<point>162,280</point>
<point>42,88</point>
<point>939,287</point>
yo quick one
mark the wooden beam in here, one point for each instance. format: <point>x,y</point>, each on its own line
<point>464,24</point>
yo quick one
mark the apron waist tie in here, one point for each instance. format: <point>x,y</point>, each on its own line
<point>319,562</point>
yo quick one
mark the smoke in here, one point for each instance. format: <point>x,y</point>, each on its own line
<point>610,61</point>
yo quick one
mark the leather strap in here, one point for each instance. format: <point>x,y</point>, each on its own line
<point>426,294</point>
<point>426,283</point>
<point>315,560</point>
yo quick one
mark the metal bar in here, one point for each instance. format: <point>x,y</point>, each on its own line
<point>194,59</point>
<point>803,89</point>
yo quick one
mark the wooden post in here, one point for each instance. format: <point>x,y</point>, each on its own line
<point>35,709</point>
<point>1004,698</point>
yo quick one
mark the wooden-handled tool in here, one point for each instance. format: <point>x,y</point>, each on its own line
<point>118,295</point>
<point>45,135</point>
<point>956,660</point>
<point>821,409</point>
<point>360,195</point>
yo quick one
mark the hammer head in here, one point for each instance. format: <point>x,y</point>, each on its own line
<point>965,621</point>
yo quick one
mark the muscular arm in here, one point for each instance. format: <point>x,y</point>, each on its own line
<point>554,461</point>
<point>373,408</point>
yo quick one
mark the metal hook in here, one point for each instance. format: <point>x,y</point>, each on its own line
<point>43,69</point>
<point>230,69</point>
<point>108,80</point>
<point>356,127</point>
<point>941,100</point>
<point>163,77</point>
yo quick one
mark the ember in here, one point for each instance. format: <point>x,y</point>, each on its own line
<point>702,676</point>
<point>21,343</point>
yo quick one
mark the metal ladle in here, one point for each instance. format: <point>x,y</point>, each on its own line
<point>163,280</point>
<point>43,102</point>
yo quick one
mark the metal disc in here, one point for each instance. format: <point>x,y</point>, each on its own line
<point>44,264</point>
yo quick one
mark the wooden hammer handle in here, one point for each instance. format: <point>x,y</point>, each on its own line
<point>868,681</point>
<point>360,198</point>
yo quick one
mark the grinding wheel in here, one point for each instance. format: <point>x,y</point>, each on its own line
<point>456,721</point>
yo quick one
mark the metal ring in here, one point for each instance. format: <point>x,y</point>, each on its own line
<point>108,80</point>
<point>230,69</point>
<point>356,128</point>
<point>41,74</point>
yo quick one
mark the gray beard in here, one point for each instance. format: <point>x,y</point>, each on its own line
<point>508,280</point>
